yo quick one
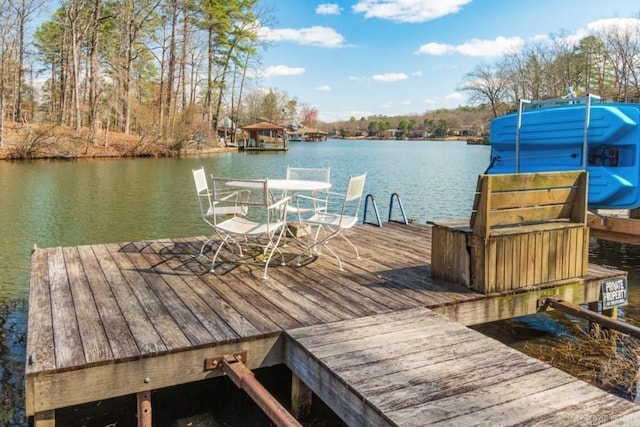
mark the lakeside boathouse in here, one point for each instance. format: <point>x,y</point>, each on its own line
<point>381,343</point>
<point>264,136</point>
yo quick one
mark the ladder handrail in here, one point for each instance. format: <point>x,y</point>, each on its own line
<point>404,216</point>
<point>375,208</point>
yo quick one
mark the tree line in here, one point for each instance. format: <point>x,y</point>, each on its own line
<point>171,69</point>
<point>167,68</point>
<point>605,62</point>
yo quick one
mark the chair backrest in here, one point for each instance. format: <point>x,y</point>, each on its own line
<point>234,196</point>
<point>309,174</point>
<point>352,199</point>
<point>355,187</point>
<point>202,191</point>
<point>200,180</point>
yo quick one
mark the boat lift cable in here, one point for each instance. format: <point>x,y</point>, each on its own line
<point>494,160</point>
<point>578,311</point>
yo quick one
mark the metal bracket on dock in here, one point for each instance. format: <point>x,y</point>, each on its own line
<point>578,311</point>
<point>211,363</point>
<point>234,366</point>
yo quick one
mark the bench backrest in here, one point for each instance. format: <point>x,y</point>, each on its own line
<point>504,200</point>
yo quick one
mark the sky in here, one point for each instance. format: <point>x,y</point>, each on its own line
<point>362,58</point>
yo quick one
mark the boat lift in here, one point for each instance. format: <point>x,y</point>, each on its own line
<point>525,104</point>
<point>602,226</point>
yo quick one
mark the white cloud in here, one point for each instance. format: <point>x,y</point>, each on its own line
<point>454,95</point>
<point>430,101</point>
<point>323,88</point>
<point>416,74</point>
<point>281,70</point>
<point>497,47</point>
<point>474,47</point>
<point>328,9</point>
<point>435,49</point>
<point>407,102</point>
<point>313,36</point>
<point>390,77</point>
<point>622,24</point>
<point>408,10</point>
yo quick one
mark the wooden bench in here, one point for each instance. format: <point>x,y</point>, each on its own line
<point>525,230</point>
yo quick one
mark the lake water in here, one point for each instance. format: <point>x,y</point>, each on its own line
<point>69,203</point>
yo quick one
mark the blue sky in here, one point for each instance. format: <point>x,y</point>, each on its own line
<point>365,57</point>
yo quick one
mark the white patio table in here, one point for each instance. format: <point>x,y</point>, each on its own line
<point>290,185</point>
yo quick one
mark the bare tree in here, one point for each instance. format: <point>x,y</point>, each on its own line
<point>7,47</point>
<point>73,15</point>
<point>622,47</point>
<point>134,19</point>
<point>23,12</point>
<point>487,84</point>
<point>93,70</point>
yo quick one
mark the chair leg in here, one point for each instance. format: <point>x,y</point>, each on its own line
<point>220,246</point>
<point>335,255</point>
<point>323,243</point>
<point>209,240</point>
<point>355,248</point>
<point>274,247</point>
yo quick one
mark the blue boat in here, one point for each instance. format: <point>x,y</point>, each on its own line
<point>574,134</point>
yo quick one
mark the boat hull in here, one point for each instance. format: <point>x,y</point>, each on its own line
<point>552,139</point>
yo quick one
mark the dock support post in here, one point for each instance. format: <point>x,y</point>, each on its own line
<point>144,409</point>
<point>594,327</point>
<point>301,397</point>
<point>45,419</point>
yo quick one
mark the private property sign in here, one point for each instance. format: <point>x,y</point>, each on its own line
<point>614,293</point>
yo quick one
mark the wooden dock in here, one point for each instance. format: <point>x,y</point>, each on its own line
<point>416,368</point>
<point>124,318</point>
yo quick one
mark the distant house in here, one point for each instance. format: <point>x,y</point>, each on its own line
<point>264,136</point>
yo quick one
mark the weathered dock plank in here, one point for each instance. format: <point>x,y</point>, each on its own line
<point>121,341</point>
<point>66,333</point>
<point>95,344</point>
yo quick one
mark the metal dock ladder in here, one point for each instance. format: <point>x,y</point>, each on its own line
<point>378,222</point>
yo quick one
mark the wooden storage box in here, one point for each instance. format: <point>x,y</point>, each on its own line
<point>525,230</point>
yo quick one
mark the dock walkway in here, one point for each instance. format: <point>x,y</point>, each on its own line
<point>416,368</point>
<point>117,319</point>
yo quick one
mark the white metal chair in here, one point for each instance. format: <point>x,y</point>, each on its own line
<point>207,210</point>
<point>263,232</point>
<point>334,224</point>
<point>308,203</point>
